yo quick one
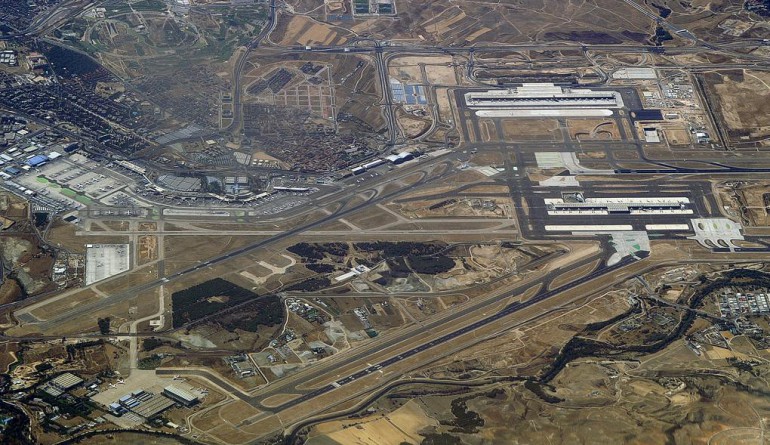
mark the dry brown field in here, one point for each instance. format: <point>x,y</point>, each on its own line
<point>593,129</point>
<point>531,129</point>
<point>739,101</point>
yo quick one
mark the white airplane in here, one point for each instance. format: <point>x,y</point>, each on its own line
<point>112,385</point>
<point>176,377</point>
<point>121,382</point>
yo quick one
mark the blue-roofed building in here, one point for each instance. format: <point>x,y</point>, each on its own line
<point>12,171</point>
<point>409,95</point>
<point>117,409</point>
<point>397,89</point>
<point>420,91</point>
<point>37,160</point>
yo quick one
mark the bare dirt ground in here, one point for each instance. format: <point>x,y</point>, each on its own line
<point>445,22</point>
<point>531,129</point>
<point>148,248</point>
<point>64,235</point>
<point>395,428</point>
<point>411,125</point>
<point>747,202</point>
<point>302,30</point>
<point>677,137</point>
<point>593,129</point>
<point>741,104</point>
<point>493,207</point>
<point>629,401</point>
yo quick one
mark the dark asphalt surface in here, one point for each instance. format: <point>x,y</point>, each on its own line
<point>135,290</point>
<point>512,308</point>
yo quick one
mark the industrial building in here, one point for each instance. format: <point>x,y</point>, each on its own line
<point>292,189</point>
<point>180,395</point>
<point>400,158</point>
<point>9,57</point>
<point>393,159</point>
<point>61,384</point>
<point>740,305</point>
<point>651,135</point>
<point>373,164</point>
<point>66,381</point>
<point>131,166</point>
<point>142,403</point>
<point>36,161</point>
<point>358,270</point>
<point>152,405</point>
<point>407,94</point>
<point>635,73</point>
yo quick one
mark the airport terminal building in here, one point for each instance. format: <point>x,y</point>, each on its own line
<point>543,99</point>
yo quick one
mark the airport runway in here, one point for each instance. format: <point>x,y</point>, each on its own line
<point>519,186</point>
<point>480,305</point>
<point>135,290</point>
<point>515,307</point>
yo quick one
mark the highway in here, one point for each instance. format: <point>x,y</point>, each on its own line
<point>507,48</point>
<point>520,188</point>
<point>241,63</point>
<point>387,96</point>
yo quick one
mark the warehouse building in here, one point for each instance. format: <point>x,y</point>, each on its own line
<point>180,395</point>
<point>651,135</point>
<point>36,161</point>
<point>152,406</point>
<point>61,384</point>
<point>400,158</point>
<point>144,404</point>
<point>66,381</point>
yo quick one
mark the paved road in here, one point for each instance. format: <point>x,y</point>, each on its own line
<point>511,309</point>
<point>241,63</point>
<point>423,329</point>
<point>115,298</point>
<point>387,95</point>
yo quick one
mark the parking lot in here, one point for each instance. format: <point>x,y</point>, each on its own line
<point>121,199</point>
<point>73,182</point>
<point>77,181</point>
<point>84,176</point>
<point>279,202</point>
